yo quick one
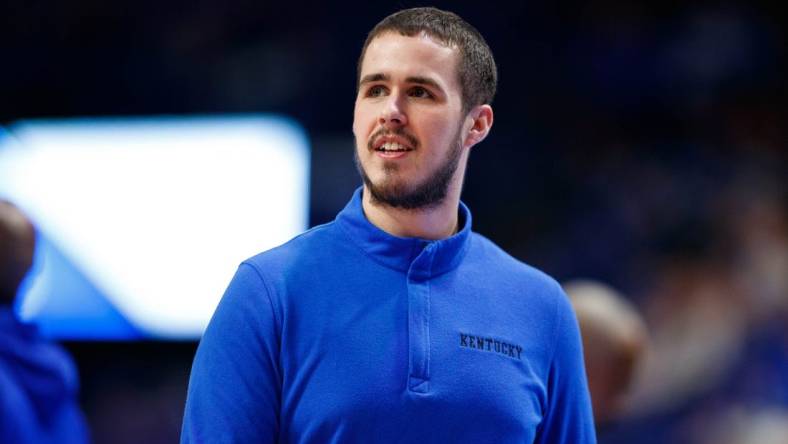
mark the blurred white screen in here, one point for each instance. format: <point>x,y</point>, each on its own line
<point>143,221</point>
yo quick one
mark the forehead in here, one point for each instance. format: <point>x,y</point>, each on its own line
<point>420,55</point>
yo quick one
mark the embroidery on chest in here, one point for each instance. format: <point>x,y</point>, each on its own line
<point>492,345</point>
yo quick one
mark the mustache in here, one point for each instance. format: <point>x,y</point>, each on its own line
<point>399,132</point>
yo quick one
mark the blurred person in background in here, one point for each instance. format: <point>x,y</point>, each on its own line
<point>395,322</point>
<point>38,379</point>
<point>614,342</point>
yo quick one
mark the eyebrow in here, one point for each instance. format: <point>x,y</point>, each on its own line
<point>380,77</point>
<point>424,81</point>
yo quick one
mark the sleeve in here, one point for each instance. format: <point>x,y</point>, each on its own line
<point>568,417</point>
<point>235,384</point>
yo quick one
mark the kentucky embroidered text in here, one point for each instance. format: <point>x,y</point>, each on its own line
<point>490,345</point>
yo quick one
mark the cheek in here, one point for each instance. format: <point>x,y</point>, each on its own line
<point>361,122</point>
<point>355,121</point>
<point>441,134</point>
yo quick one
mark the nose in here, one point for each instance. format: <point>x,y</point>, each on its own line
<point>393,115</point>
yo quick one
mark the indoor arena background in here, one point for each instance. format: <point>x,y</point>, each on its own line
<point>641,144</point>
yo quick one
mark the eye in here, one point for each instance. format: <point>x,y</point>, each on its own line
<point>420,92</point>
<point>376,91</point>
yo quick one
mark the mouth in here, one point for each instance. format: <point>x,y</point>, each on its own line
<point>392,150</point>
<point>392,146</point>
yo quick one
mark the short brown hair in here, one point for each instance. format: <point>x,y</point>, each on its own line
<point>476,70</point>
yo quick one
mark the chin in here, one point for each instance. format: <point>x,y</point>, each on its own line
<point>392,186</point>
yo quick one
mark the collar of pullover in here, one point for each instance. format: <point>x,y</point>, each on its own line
<point>420,257</point>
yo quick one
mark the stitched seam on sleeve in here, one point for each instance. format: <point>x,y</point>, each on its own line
<point>271,304</point>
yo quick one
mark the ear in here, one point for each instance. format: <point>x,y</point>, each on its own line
<point>482,120</point>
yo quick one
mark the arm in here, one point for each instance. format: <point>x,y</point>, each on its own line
<point>235,384</point>
<point>567,418</point>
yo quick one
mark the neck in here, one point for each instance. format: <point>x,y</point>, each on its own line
<point>438,222</point>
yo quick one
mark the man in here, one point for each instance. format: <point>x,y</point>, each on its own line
<point>38,380</point>
<point>614,339</point>
<point>395,322</point>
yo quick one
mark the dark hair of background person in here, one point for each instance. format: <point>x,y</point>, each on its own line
<point>477,73</point>
<point>17,243</point>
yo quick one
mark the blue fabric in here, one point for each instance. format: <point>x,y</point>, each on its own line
<point>38,388</point>
<point>349,334</point>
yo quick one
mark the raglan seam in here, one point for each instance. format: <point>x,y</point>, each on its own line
<point>271,304</point>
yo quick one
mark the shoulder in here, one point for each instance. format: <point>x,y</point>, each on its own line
<point>498,262</point>
<point>515,284</point>
<point>300,264</point>
<point>308,247</point>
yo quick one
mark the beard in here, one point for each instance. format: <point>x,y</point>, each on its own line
<point>394,192</point>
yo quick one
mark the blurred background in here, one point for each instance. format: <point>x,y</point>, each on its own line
<point>641,144</point>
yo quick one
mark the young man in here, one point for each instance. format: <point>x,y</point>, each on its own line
<point>395,322</point>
